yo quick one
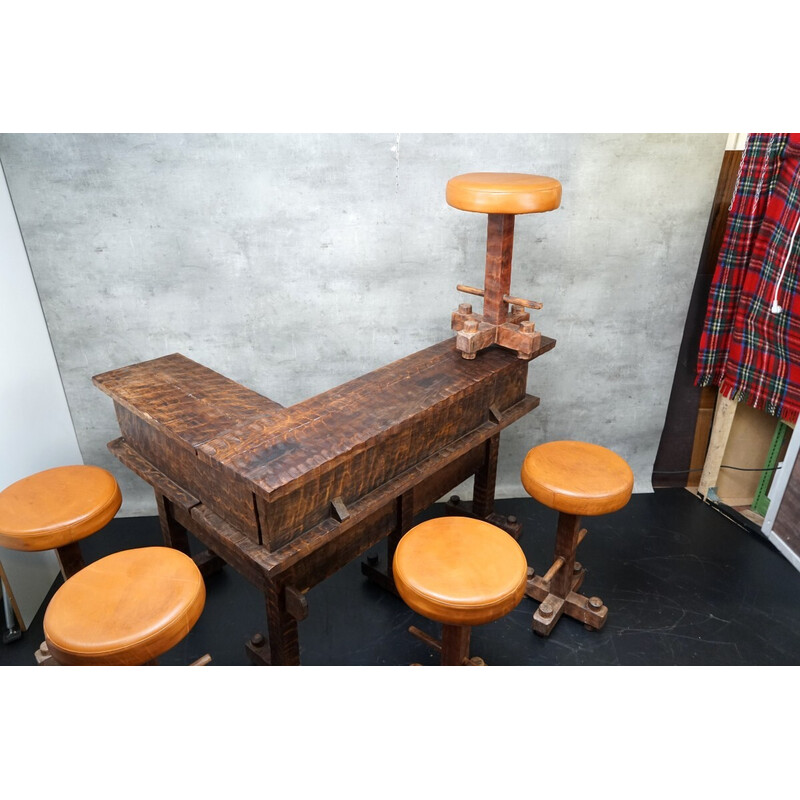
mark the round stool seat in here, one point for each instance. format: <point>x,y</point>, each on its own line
<point>125,609</point>
<point>57,506</point>
<point>503,193</point>
<point>577,478</point>
<point>459,571</point>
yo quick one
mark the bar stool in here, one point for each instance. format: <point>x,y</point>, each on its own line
<point>55,509</point>
<point>125,609</point>
<point>576,479</point>
<point>501,195</point>
<point>461,572</point>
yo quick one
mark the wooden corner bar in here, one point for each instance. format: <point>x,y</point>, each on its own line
<point>287,496</point>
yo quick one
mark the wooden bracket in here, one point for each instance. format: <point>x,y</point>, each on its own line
<point>339,509</point>
<point>296,603</point>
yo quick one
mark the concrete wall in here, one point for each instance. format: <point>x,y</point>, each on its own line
<point>292,263</point>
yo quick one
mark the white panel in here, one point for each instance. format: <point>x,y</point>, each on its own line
<point>36,430</point>
<point>736,141</point>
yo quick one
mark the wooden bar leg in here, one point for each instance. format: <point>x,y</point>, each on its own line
<point>70,559</point>
<point>176,536</point>
<point>483,490</point>
<point>486,480</point>
<point>724,414</point>
<point>284,646</point>
<point>455,645</point>
<point>404,521</point>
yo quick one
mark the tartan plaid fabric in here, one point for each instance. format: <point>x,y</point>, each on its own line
<point>750,344</point>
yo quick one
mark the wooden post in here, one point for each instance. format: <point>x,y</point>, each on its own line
<point>405,519</point>
<point>70,559</point>
<point>284,645</point>
<point>485,480</point>
<point>455,645</point>
<point>174,535</point>
<point>720,430</point>
<point>569,528</point>
<point>497,285</point>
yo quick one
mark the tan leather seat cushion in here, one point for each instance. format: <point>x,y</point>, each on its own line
<point>125,609</point>
<point>460,571</point>
<point>577,477</point>
<point>57,506</point>
<point>503,193</point>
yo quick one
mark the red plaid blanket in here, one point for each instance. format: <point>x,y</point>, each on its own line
<point>750,344</point>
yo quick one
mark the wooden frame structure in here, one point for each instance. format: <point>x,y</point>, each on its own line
<point>287,496</point>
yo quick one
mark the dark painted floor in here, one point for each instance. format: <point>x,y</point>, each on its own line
<point>684,585</point>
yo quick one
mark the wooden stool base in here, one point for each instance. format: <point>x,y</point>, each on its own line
<point>588,610</point>
<point>557,589</point>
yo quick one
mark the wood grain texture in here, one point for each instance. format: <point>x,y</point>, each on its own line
<point>499,252</point>
<point>287,496</point>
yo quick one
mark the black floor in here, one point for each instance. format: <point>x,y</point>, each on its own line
<point>684,585</point>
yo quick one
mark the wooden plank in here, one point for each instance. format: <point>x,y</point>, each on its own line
<point>183,399</point>
<point>497,276</point>
<point>702,435</point>
<point>720,430</point>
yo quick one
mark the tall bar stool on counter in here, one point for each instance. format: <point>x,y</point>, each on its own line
<point>460,572</point>
<point>125,609</point>
<point>576,479</point>
<point>501,196</point>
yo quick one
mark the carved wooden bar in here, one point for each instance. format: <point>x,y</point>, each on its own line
<point>287,496</point>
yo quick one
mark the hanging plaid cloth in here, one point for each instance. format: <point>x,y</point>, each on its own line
<point>750,344</point>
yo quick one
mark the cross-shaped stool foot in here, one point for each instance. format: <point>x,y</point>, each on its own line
<point>588,610</point>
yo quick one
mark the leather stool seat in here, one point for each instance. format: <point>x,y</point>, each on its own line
<point>503,193</point>
<point>57,507</point>
<point>577,478</point>
<point>125,609</point>
<point>460,572</point>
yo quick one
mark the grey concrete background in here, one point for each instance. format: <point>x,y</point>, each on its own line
<point>292,263</point>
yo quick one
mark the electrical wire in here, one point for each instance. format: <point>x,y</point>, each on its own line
<point>723,466</point>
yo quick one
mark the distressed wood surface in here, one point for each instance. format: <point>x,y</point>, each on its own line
<point>287,496</point>
<point>183,399</point>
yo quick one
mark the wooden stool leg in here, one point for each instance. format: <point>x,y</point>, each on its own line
<point>70,559</point>
<point>455,645</point>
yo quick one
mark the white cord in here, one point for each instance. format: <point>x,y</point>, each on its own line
<point>776,309</point>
